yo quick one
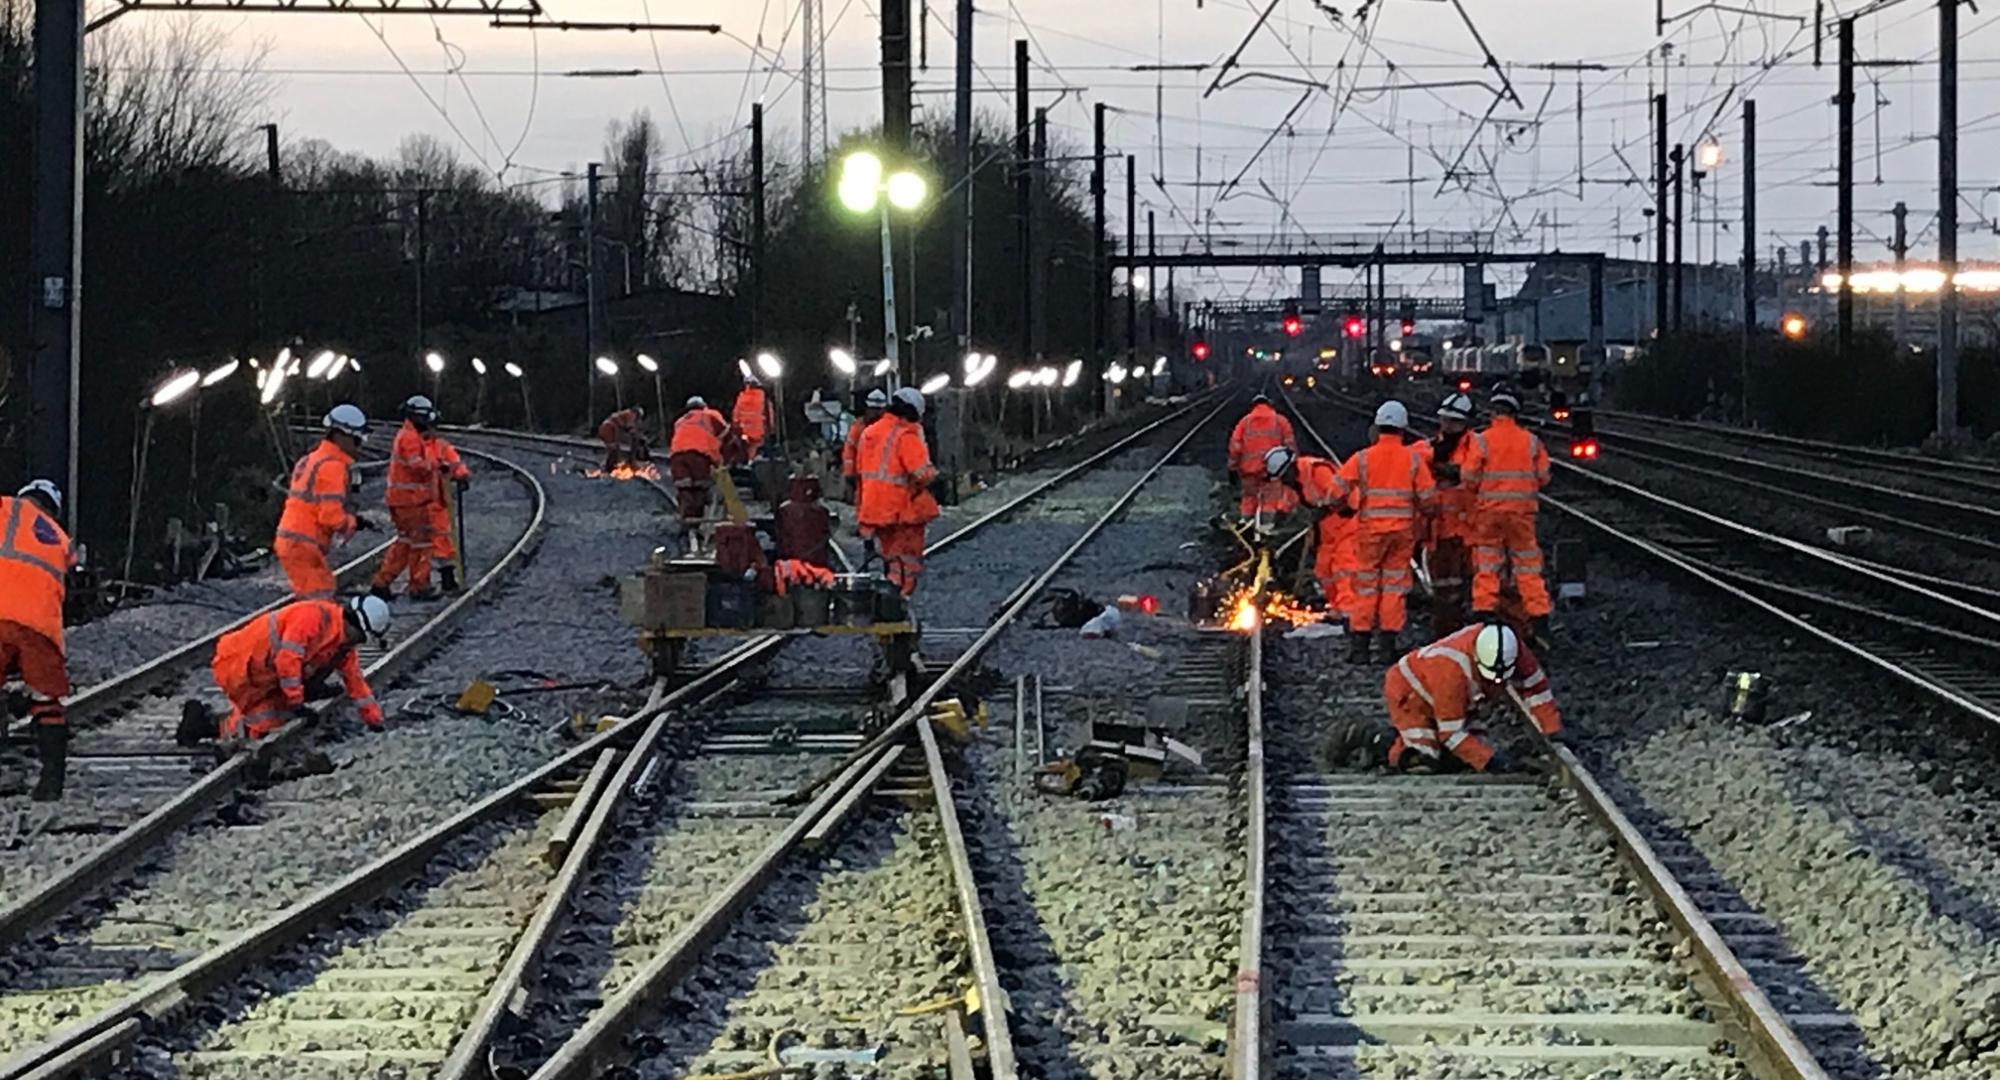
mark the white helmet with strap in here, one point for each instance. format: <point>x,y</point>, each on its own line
<point>913,397</point>
<point>1392,414</point>
<point>347,419</point>
<point>1456,406</point>
<point>1496,651</point>
<point>45,490</point>
<point>1277,459</point>
<point>877,399</point>
<point>696,402</point>
<point>371,613</point>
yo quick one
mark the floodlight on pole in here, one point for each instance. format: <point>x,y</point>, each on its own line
<point>652,367</point>
<point>609,369</point>
<point>883,368</point>
<point>647,364</point>
<point>1046,376</point>
<point>842,361</point>
<point>1708,155</point>
<point>607,366</point>
<point>934,384</point>
<point>175,387</point>
<point>743,366</point>
<point>339,365</point>
<point>513,369</point>
<point>320,362</point>
<point>1072,373</point>
<point>1018,379</point>
<point>520,377</point>
<point>227,369</point>
<point>864,189</point>
<point>435,362</point>
<point>770,366</point>
<point>274,380</point>
<point>479,367</point>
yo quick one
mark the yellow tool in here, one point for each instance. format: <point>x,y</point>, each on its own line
<point>477,698</point>
<point>732,502</point>
<point>950,717</point>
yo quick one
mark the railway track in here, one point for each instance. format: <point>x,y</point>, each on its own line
<point>440,955</point>
<point>1484,925</point>
<point>1930,633</point>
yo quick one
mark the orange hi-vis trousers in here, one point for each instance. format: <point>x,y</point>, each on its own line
<point>412,549</point>
<point>39,664</point>
<point>1420,733</point>
<point>1507,542</point>
<point>1382,580</point>
<point>307,568</point>
<point>1333,562</point>
<point>902,549</point>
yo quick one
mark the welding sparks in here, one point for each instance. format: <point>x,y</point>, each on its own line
<point>647,471</point>
<point>1245,615</point>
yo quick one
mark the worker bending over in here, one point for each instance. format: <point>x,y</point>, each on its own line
<point>412,488</point>
<point>1515,470</point>
<point>693,455</point>
<point>896,501</point>
<point>1389,486</point>
<point>624,437</point>
<point>1316,481</point>
<point>270,666</point>
<point>1260,430</point>
<point>752,416</point>
<point>850,452</point>
<point>1432,692</point>
<point>1458,457</point>
<point>316,515</point>
<point>35,560</point>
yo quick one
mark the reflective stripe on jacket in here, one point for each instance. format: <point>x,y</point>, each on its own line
<point>1389,482</point>
<point>1260,430</point>
<point>749,415</point>
<point>412,479</point>
<point>1442,674</point>
<point>446,463</point>
<point>699,431</point>
<point>1516,469</point>
<point>35,561</point>
<point>1456,502</point>
<point>316,505</point>
<point>290,647</point>
<point>896,473</point>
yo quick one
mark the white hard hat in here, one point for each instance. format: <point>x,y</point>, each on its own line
<point>349,419</point>
<point>419,405</point>
<point>1277,459</point>
<point>696,402</point>
<point>372,612</point>
<point>1507,398</point>
<point>913,397</point>
<point>1392,414</point>
<point>45,489</point>
<point>1495,651</point>
<point>1456,407</point>
<point>877,399</point>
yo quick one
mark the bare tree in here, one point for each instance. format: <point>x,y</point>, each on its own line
<point>169,96</point>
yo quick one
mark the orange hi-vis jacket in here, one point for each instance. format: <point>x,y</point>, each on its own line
<point>445,463</point>
<point>1516,469</point>
<point>316,506</point>
<point>1389,483</point>
<point>751,415</point>
<point>619,426</point>
<point>699,431</point>
<point>288,648</point>
<point>1260,430</point>
<point>1443,675</point>
<point>896,473</point>
<point>1456,502</point>
<point>35,561</point>
<point>850,452</point>
<point>1319,482</point>
<point>413,473</point>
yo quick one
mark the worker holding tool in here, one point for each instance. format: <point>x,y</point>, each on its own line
<point>896,502</point>
<point>751,416</point>
<point>36,557</point>
<point>1458,457</point>
<point>447,495</point>
<point>1390,485</point>
<point>850,467</point>
<point>1255,434</point>
<point>1432,692</point>
<point>268,668</point>
<point>1515,470</point>
<point>624,437</point>
<point>1316,481</point>
<point>693,455</point>
<point>316,515</point>
<point>412,487</point>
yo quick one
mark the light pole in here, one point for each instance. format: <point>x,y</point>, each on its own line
<point>521,379</point>
<point>772,370</point>
<point>169,391</point>
<point>214,378</point>
<point>608,368</point>
<point>652,367</point>
<point>864,187</point>
<point>435,362</point>
<point>479,401</point>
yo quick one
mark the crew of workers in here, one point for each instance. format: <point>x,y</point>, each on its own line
<point>1466,502</point>
<point>425,471</point>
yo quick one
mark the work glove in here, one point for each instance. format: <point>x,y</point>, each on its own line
<point>364,524</point>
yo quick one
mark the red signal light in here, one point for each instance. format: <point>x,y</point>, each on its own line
<point>1293,327</point>
<point>1409,327</point>
<point>1149,604</point>
<point>1354,327</point>
<point>1585,449</point>
<point>1465,386</point>
<point>1200,350</point>
<point>1559,414</point>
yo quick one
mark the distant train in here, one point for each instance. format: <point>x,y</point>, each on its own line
<point>1527,364</point>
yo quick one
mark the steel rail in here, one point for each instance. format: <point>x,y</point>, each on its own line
<point>600,1042</point>
<point>1914,464</point>
<point>1779,1046</point>
<point>99,1040</point>
<point>132,843</point>
<point>1246,1052</point>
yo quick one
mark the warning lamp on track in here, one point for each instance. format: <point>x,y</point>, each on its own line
<point>1793,325</point>
<point>1465,386</point>
<point>1199,350</point>
<point>1584,449</point>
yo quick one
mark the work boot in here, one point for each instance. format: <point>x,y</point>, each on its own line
<point>1357,646</point>
<point>197,724</point>
<point>1388,647</point>
<point>415,596</point>
<point>448,578</point>
<point>382,592</point>
<point>52,740</point>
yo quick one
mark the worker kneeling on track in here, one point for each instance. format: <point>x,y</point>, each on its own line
<point>896,501</point>
<point>35,560</point>
<point>271,666</point>
<point>623,438</point>
<point>1390,485</point>
<point>315,516</point>
<point>693,456</point>
<point>1433,690</point>
<point>1316,481</point>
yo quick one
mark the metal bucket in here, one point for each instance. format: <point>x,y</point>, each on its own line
<point>811,606</point>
